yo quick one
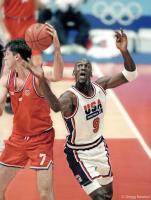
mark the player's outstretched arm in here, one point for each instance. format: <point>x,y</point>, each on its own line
<point>58,64</point>
<point>129,72</point>
<point>50,96</point>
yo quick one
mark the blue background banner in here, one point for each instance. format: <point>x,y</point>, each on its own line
<point>126,14</point>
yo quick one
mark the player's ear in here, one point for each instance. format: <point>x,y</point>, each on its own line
<point>17,56</point>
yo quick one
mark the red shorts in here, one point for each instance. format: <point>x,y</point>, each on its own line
<point>36,149</point>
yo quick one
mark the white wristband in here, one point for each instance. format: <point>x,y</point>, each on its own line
<point>130,75</point>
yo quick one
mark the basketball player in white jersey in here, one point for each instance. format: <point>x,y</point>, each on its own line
<point>83,107</point>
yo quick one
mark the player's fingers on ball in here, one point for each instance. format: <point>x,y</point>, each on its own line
<point>50,29</point>
<point>50,33</point>
<point>49,25</point>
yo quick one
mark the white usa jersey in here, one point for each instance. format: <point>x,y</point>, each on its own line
<point>85,125</point>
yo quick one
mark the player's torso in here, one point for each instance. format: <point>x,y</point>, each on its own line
<point>19,8</point>
<point>86,124</point>
<point>31,111</point>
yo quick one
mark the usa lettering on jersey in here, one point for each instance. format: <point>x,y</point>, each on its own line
<point>93,109</point>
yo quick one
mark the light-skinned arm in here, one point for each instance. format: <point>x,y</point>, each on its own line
<point>57,71</point>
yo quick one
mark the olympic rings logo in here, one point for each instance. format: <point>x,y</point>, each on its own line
<point>117,12</point>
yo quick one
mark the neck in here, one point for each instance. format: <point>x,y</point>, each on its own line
<point>85,88</point>
<point>21,72</point>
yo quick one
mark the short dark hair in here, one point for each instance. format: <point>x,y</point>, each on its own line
<point>19,46</point>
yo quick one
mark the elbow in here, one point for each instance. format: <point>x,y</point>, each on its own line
<point>55,107</point>
<point>57,78</point>
<point>56,110</point>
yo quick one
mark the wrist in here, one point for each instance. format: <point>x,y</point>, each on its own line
<point>130,75</point>
<point>57,49</point>
<point>123,51</point>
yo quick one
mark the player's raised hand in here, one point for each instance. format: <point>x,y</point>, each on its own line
<point>121,40</point>
<point>35,70</point>
<point>53,33</point>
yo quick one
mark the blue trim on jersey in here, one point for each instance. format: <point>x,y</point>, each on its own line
<point>70,127</point>
<point>76,168</point>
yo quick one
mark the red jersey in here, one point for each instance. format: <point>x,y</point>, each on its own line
<point>19,8</point>
<point>18,16</point>
<point>31,111</point>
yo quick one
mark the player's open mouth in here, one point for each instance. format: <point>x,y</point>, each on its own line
<point>82,75</point>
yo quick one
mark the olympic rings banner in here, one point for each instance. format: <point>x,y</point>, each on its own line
<point>115,14</point>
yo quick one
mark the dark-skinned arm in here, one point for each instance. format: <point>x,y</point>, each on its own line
<point>129,65</point>
<point>49,95</point>
<point>65,104</point>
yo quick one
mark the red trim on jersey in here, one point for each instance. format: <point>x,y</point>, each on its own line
<point>87,97</point>
<point>34,85</point>
<point>74,131</point>
<point>100,87</point>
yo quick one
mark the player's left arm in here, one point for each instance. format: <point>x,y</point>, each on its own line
<point>57,71</point>
<point>129,73</point>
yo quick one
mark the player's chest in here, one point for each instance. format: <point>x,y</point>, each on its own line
<point>91,108</point>
<point>19,84</point>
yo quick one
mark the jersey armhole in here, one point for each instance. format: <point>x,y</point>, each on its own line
<point>34,87</point>
<point>104,91</point>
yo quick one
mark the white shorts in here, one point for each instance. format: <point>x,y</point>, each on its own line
<point>91,167</point>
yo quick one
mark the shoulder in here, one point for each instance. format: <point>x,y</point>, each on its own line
<point>102,81</point>
<point>68,101</point>
<point>68,95</point>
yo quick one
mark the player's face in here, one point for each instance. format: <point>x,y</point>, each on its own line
<point>82,71</point>
<point>9,58</point>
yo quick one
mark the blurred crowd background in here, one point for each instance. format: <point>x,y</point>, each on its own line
<point>86,27</point>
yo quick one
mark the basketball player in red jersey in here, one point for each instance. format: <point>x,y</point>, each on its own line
<point>18,16</point>
<point>32,134</point>
<point>83,107</point>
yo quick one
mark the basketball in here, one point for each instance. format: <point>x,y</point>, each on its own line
<point>37,37</point>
